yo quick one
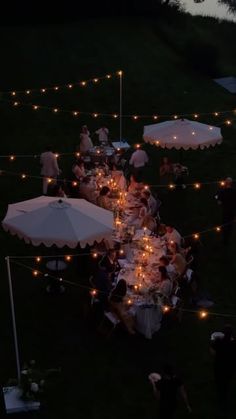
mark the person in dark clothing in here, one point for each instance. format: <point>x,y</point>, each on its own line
<point>166,390</point>
<point>103,285</point>
<point>226,197</point>
<point>110,264</point>
<point>223,349</point>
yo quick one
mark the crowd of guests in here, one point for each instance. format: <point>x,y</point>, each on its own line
<point>173,266</point>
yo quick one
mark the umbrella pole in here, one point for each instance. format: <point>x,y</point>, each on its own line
<point>121,103</point>
<point>13,319</point>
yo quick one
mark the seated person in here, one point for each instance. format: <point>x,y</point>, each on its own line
<point>103,199</point>
<point>118,307</point>
<point>152,202</point>
<point>118,177</point>
<point>109,263</point>
<point>161,229</point>
<point>103,285</point>
<point>164,285</point>
<point>170,269</point>
<point>179,173</point>
<point>78,169</point>
<point>177,259</point>
<point>87,189</point>
<point>133,184</point>
<point>138,218</point>
<point>150,223</point>
<point>172,235</point>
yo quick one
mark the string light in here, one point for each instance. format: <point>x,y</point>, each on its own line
<point>218,229</point>
<point>93,292</point>
<point>165,309</point>
<point>35,273</point>
<point>23,176</point>
<point>171,186</point>
<point>197,185</point>
<point>203,314</point>
<point>16,103</point>
<point>35,107</point>
<point>69,86</point>
<point>133,117</point>
<point>12,158</point>
<point>196,236</point>
<point>38,259</point>
<point>49,180</point>
<point>74,183</point>
<point>55,110</point>
<point>68,258</point>
<point>95,255</point>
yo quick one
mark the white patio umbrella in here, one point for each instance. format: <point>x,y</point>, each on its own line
<point>61,222</point>
<point>52,221</point>
<point>182,133</point>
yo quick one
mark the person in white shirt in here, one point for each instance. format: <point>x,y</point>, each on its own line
<point>172,235</point>
<point>50,169</point>
<point>102,133</point>
<point>170,269</point>
<point>152,202</point>
<point>85,140</point>
<point>138,159</point>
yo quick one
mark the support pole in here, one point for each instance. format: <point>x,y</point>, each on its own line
<point>13,319</point>
<point>121,102</point>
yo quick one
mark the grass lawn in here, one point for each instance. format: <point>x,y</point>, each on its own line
<point>102,379</point>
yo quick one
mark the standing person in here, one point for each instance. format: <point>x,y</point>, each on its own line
<point>138,161</point>
<point>226,197</point>
<point>85,140</point>
<point>103,133</point>
<point>166,171</point>
<point>166,389</point>
<point>50,169</point>
<point>224,351</point>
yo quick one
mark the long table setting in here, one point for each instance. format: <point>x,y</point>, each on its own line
<point>139,268</point>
